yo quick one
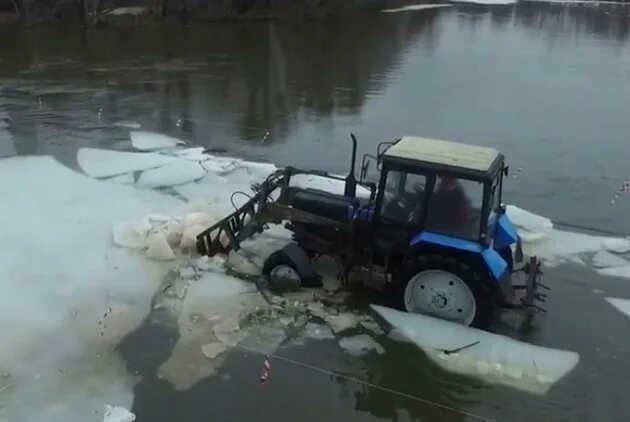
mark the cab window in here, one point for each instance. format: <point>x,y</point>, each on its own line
<point>403,197</point>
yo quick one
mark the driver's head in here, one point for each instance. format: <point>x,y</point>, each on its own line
<point>447,182</point>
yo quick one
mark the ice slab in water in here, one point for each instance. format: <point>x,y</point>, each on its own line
<point>129,10</point>
<point>617,245</point>
<point>343,321</point>
<point>104,163</point>
<point>487,2</point>
<point>413,7</point>
<point>603,259</point>
<point>146,141</point>
<point>360,345</point>
<point>495,359</point>
<point>622,305</point>
<point>159,248</point>
<point>177,173</point>
<point>531,227</point>
<point>622,272</point>
<point>57,300</point>
<point>127,124</point>
<point>210,313</point>
<point>117,414</point>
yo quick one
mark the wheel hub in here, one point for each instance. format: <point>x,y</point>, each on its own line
<point>441,294</point>
<point>284,277</point>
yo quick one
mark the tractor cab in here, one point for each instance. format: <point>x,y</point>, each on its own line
<point>445,188</point>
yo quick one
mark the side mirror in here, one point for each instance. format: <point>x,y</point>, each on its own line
<point>506,170</point>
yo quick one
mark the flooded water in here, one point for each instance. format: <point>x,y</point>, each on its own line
<point>548,85</point>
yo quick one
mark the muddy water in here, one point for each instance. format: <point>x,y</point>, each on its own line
<point>547,84</point>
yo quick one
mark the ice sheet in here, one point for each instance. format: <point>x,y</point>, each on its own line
<point>127,124</point>
<point>117,414</point>
<point>177,173</point>
<point>104,163</point>
<point>146,141</point>
<point>360,345</point>
<point>556,246</point>
<point>486,2</point>
<point>622,305</point>
<point>495,359</point>
<point>622,272</point>
<point>413,7</point>
<point>56,302</point>
<point>603,259</point>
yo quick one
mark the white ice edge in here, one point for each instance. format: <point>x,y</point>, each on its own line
<point>60,362</point>
<point>415,7</point>
<point>143,140</point>
<point>622,305</point>
<point>495,359</point>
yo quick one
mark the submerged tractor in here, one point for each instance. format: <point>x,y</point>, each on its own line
<point>433,228</point>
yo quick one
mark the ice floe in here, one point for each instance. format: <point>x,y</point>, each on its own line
<point>622,305</point>
<point>360,345</point>
<point>555,246</point>
<point>177,173</point>
<point>127,124</point>
<point>62,361</point>
<point>486,2</point>
<point>495,358</point>
<point>104,163</point>
<point>412,7</point>
<point>145,141</point>
<point>117,414</point>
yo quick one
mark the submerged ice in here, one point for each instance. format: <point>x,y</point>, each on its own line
<point>493,358</point>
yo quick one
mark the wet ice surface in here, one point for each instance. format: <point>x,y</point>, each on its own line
<point>493,358</point>
<point>215,312</point>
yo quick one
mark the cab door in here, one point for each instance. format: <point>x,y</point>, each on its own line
<point>400,209</point>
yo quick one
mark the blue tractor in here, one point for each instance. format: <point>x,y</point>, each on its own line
<point>433,229</point>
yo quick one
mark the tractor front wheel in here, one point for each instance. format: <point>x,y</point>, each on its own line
<point>444,288</point>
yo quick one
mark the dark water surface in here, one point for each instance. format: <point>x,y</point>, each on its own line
<point>548,85</point>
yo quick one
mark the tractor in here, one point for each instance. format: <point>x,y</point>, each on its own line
<point>432,228</point>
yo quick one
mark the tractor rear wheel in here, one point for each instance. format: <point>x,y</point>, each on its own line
<point>445,288</point>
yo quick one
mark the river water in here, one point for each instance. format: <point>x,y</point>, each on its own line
<point>546,84</point>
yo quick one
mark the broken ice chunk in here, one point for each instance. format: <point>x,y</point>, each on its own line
<point>159,248</point>
<point>622,305</point>
<point>532,227</point>
<point>360,345</point>
<point>149,141</point>
<point>132,234</point>
<point>604,259</point>
<point>343,321</point>
<point>214,349</point>
<point>173,174</point>
<point>117,414</point>
<point>104,163</point>
<point>617,245</point>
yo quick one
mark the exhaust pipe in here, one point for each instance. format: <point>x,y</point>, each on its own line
<point>351,182</point>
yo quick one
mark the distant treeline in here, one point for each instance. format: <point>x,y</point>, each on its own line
<point>98,11</point>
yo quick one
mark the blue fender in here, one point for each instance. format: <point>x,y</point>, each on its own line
<point>495,263</point>
<point>505,233</point>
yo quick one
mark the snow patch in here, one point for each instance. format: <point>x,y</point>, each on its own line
<point>360,345</point>
<point>622,305</point>
<point>495,359</point>
<point>326,184</point>
<point>531,227</point>
<point>146,141</point>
